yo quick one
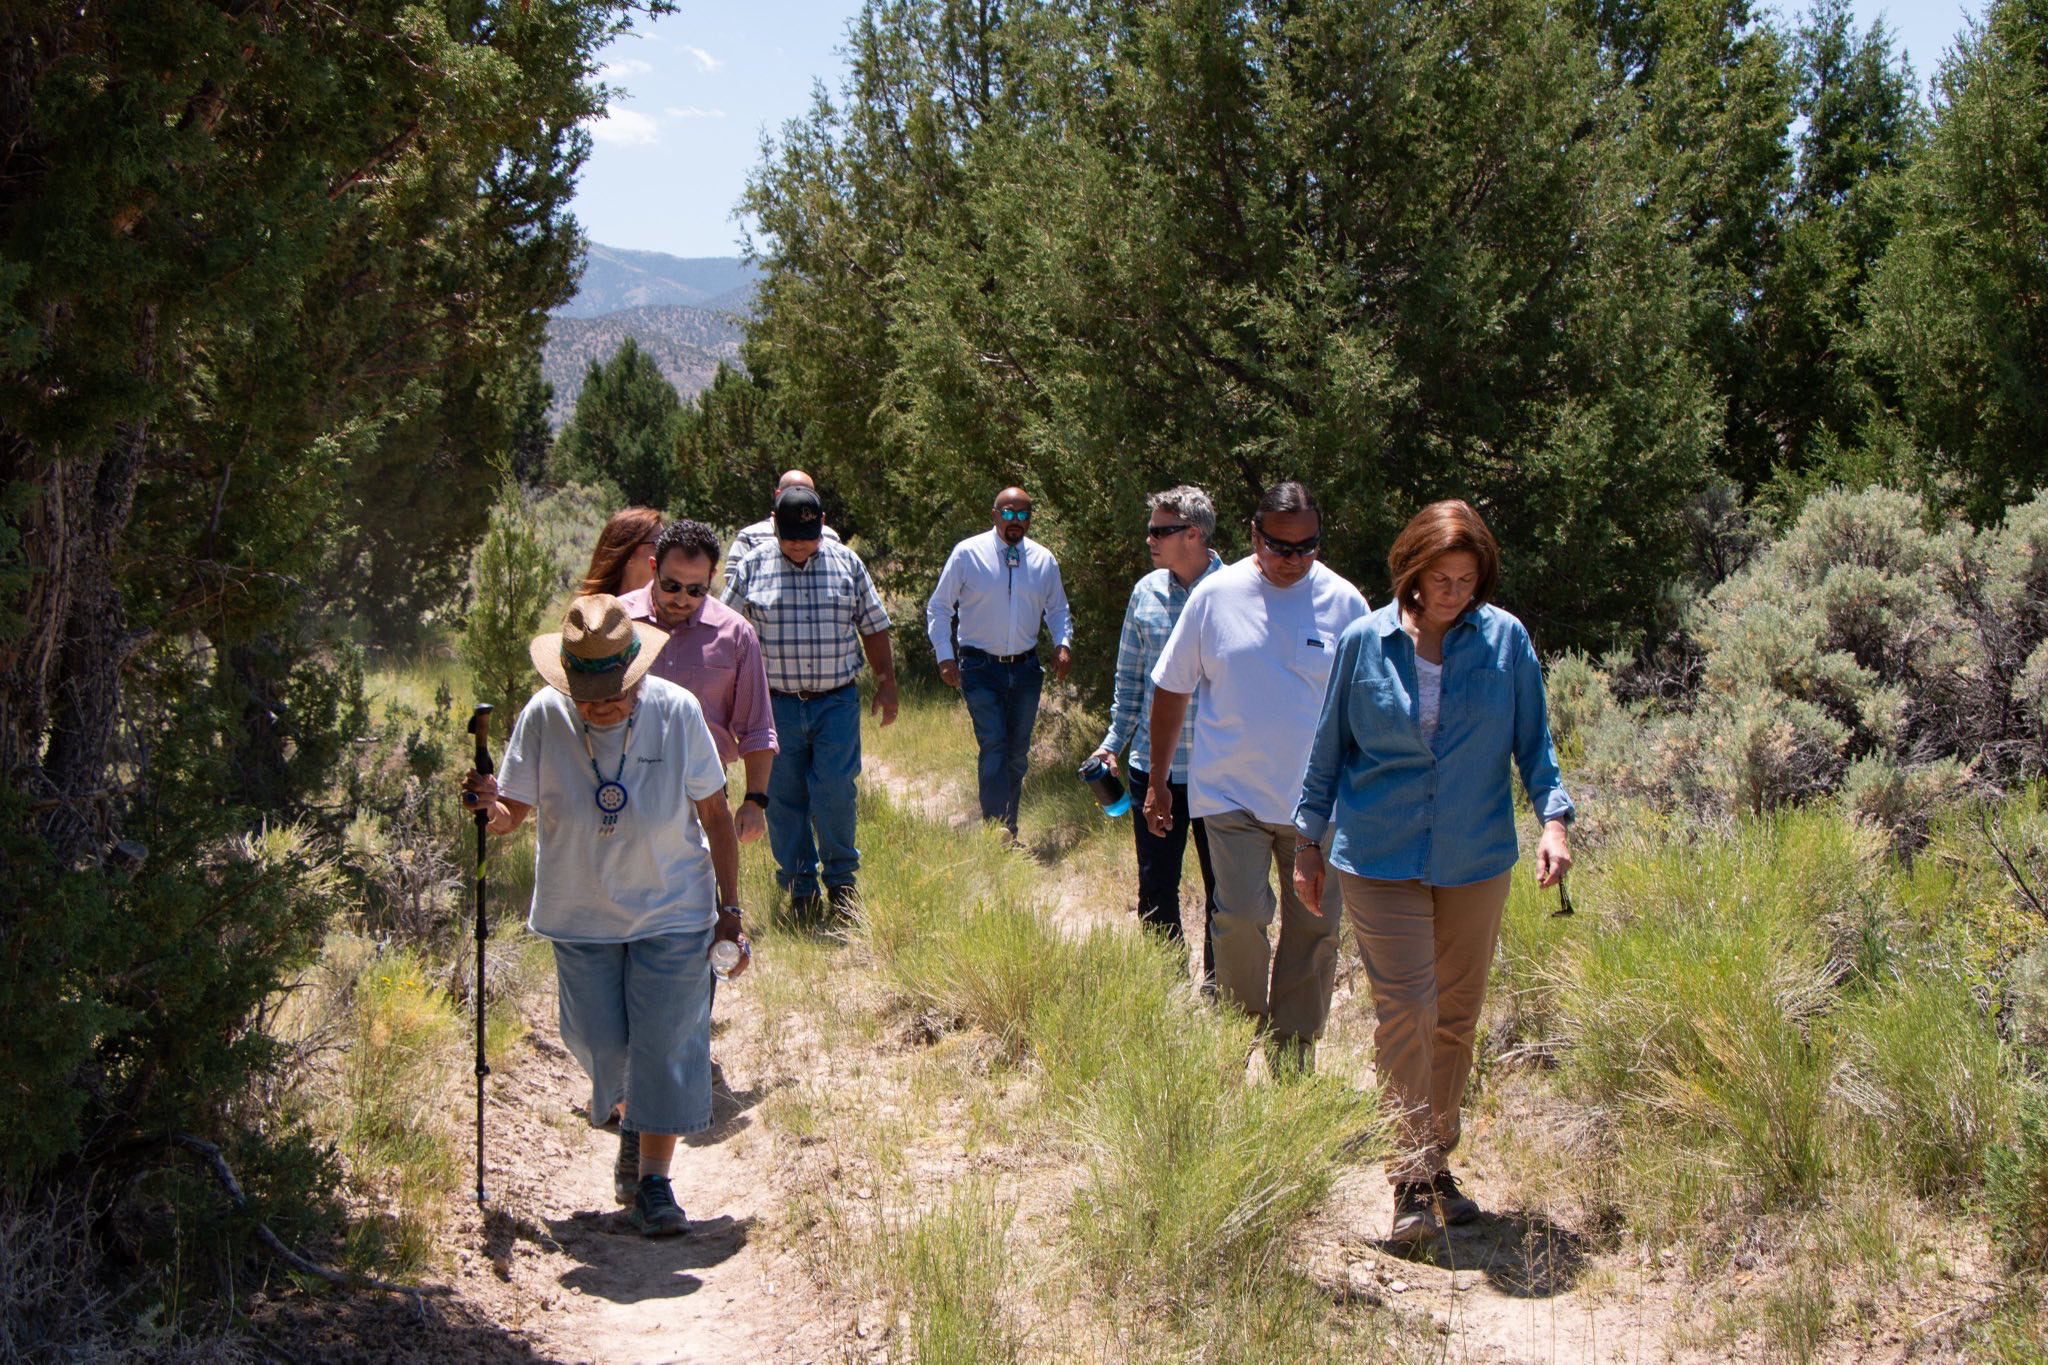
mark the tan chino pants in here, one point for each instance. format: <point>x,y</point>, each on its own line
<point>1285,985</point>
<point>1427,950</point>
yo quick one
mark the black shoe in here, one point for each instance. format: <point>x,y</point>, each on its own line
<point>1457,1206</point>
<point>805,910</point>
<point>845,899</point>
<point>626,1167</point>
<point>1414,1214</point>
<point>655,1211</point>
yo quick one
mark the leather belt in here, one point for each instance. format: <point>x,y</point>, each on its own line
<point>999,658</point>
<point>810,694</point>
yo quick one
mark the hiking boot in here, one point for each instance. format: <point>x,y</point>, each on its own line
<point>1457,1206</point>
<point>1414,1214</point>
<point>626,1167</point>
<point>655,1211</point>
<point>845,900</point>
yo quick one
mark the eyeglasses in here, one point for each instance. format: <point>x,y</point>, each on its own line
<point>1014,513</point>
<point>1288,549</point>
<point>1162,532</point>
<point>670,586</point>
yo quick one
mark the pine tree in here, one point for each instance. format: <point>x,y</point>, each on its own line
<point>623,432</point>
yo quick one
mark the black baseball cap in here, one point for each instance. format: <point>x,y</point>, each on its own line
<point>798,515</point>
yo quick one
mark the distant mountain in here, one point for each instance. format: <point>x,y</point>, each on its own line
<point>687,343</point>
<point>615,279</point>
<point>684,311</point>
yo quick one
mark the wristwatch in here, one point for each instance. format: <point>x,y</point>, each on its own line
<point>759,798</point>
<point>732,910</point>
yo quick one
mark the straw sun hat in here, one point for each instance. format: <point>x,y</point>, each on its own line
<point>599,652</point>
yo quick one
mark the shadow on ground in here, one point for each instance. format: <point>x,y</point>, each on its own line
<point>381,1327</point>
<point>1522,1255</point>
<point>618,1264</point>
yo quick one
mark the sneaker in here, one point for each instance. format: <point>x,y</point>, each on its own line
<point>655,1211</point>
<point>845,899</point>
<point>1457,1206</point>
<point>626,1167</point>
<point>1414,1214</point>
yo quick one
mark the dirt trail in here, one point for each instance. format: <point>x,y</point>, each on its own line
<point>563,1277</point>
<point>563,1274</point>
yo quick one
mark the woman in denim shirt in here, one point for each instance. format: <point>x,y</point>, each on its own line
<point>1429,697</point>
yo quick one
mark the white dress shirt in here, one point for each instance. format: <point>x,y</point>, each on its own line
<point>999,604</point>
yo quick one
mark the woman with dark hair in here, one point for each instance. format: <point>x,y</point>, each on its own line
<point>624,558</point>
<point>1429,699</point>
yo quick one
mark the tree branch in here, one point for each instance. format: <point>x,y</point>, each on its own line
<point>209,1156</point>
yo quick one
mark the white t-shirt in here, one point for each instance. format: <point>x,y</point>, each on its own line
<point>1260,657</point>
<point>653,874</point>
<point>1429,696</point>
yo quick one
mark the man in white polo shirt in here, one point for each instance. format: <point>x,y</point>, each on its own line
<point>1257,639</point>
<point>1000,585</point>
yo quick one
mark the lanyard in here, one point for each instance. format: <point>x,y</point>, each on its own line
<point>611,796</point>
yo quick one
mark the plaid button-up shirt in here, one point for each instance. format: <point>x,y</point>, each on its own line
<point>810,619</point>
<point>1155,606</point>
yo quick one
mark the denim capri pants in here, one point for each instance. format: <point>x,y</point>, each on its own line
<point>637,1016</point>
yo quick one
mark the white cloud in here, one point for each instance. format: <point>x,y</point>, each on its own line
<point>705,61</point>
<point>618,71</point>
<point>692,111</point>
<point>627,128</point>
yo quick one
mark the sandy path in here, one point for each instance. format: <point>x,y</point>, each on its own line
<point>561,1271</point>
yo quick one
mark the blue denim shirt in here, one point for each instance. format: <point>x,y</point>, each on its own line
<point>1440,813</point>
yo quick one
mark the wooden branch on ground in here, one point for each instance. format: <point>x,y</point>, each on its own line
<point>209,1156</point>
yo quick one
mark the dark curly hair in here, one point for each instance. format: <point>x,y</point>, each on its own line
<point>693,538</point>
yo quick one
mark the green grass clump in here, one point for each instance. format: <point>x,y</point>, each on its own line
<point>1698,1000</point>
<point>955,1265</point>
<point>1925,1068</point>
<point>402,1084</point>
<point>1196,1175</point>
<point>2016,1187</point>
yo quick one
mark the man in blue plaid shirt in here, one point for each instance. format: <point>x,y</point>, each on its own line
<point>813,605</point>
<point>1178,533</point>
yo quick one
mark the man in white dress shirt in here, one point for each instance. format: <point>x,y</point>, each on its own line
<point>1000,585</point>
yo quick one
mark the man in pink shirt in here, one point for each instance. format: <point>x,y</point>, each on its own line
<point>713,652</point>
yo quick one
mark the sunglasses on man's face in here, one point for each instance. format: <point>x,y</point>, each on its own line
<point>671,587</point>
<point>1288,549</point>
<point>1015,513</point>
<point>1167,532</point>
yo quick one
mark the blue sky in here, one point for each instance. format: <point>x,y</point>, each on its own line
<point>700,86</point>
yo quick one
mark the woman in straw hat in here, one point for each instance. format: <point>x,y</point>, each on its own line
<point>635,870</point>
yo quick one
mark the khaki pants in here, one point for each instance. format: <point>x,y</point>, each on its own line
<point>1286,986</point>
<point>1426,951</point>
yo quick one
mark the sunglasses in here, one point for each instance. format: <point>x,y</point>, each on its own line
<point>1162,532</point>
<point>1015,513</point>
<point>669,585</point>
<point>1288,549</point>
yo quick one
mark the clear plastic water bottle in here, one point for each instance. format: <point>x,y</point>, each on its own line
<point>725,955</point>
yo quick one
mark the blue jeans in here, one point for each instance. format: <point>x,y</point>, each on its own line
<point>637,1016</point>
<point>811,790</point>
<point>1002,700</point>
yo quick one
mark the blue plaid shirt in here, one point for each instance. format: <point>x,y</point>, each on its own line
<point>810,619</point>
<point>1155,606</point>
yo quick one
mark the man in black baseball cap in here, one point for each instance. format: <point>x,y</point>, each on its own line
<point>810,600</point>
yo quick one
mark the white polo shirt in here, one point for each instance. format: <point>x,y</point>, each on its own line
<point>653,874</point>
<point>1260,656</point>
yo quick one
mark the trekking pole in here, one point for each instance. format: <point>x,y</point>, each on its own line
<point>480,726</point>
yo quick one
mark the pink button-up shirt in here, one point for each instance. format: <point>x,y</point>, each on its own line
<point>718,657</point>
